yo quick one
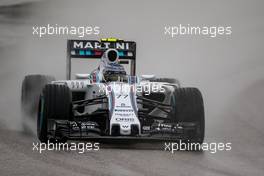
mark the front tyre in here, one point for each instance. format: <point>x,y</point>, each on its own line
<point>188,107</point>
<point>54,103</point>
<point>32,86</point>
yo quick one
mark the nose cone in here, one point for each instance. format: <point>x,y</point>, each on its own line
<point>125,129</point>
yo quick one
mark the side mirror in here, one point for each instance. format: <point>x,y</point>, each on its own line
<point>82,76</point>
<point>147,77</point>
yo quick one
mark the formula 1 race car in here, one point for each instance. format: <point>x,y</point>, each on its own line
<point>109,103</point>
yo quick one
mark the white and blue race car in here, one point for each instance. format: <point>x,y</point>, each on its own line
<point>111,104</point>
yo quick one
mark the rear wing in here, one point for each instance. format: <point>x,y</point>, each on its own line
<point>93,49</point>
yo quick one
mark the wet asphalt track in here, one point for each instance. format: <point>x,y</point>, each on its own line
<point>233,98</point>
<point>17,158</point>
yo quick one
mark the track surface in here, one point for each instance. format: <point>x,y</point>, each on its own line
<point>17,158</point>
<point>229,72</point>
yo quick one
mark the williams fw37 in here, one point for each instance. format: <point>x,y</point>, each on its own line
<point>111,102</point>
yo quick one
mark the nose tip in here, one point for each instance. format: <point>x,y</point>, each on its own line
<point>125,129</point>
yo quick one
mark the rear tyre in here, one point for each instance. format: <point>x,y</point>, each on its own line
<point>32,86</point>
<point>189,107</point>
<point>54,103</point>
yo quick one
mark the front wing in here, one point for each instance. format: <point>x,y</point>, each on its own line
<point>68,130</point>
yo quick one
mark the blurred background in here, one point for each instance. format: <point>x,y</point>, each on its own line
<point>229,70</point>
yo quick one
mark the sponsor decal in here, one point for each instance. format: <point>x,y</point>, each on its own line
<point>83,125</point>
<point>98,45</point>
<point>124,110</point>
<point>124,96</point>
<point>123,105</point>
<point>146,128</point>
<point>124,115</point>
<point>125,119</point>
<point>125,126</point>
